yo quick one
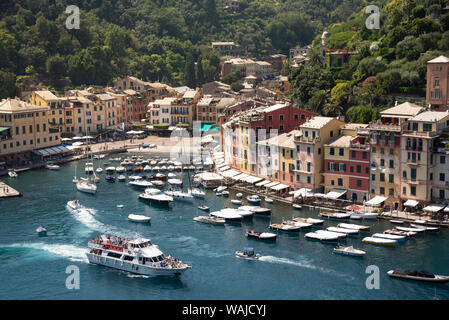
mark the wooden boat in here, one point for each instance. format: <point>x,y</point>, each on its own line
<point>396,221</point>
<point>354,226</point>
<point>204,208</point>
<point>421,275</point>
<point>313,221</point>
<point>210,219</point>
<point>335,215</point>
<point>389,236</point>
<point>349,251</point>
<point>261,211</point>
<point>302,225</point>
<point>268,236</point>
<point>407,234</point>
<point>380,241</point>
<point>138,218</point>
<point>285,227</point>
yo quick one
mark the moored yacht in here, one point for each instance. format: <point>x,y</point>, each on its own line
<point>86,186</point>
<point>138,256</point>
<point>156,196</point>
<point>179,195</point>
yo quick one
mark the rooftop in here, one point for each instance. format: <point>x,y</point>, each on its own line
<point>317,122</point>
<point>341,142</point>
<point>403,109</point>
<point>46,95</point>
<point>430,116</point>
<point>15,105</point>
<point>440,59</point>
<point>275,107</point>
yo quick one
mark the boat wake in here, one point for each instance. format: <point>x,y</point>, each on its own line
<point>86,217</point>
<point>193,246</point>
<point>71,252</point>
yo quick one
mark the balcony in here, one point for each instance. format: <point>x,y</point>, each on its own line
<point>308,139</point>
<point>385,127</point>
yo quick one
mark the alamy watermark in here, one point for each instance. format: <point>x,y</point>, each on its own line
<point>373,280</point>
<point>73,20</point>
<point>72,282</point>
<point>373,20</point>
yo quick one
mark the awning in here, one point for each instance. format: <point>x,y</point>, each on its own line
<point>221,165</point>
<point>279,186</point>
<point>241,177</point>
<point>4,128</point>
<point>252,179</point>
<point>446,209</point>
<point>303,192</point>
<point>434,207</point>
<point>319,195</point>
<point>411,203</point>
<point>375,201</point>
<point>51,151</point>
<point>230,173</point>
<point>262,183</point>
<point>335,194</point>
<point>206,127</point>
<point>224,168</point>
<point>269,185</point>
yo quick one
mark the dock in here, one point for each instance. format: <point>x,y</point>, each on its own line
<point>8,192</point>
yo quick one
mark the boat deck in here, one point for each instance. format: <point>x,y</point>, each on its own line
<point>8,192</point>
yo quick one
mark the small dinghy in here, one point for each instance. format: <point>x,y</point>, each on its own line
<point>138,218</point>
<point>254,199</point>
<point>321,237</point>
<point>204,208</point>
<point>417,230</point>
<point>121,177</point>
<point>225,193</point>
<point>210,220</point>
<point>99,170</point>
<point>239,195</point>
<point>431,229</point>
<point>41,231</point>
<point>12,174</point>
<point>296,206</point>
<point>268,200</point>
<point>380,241</point>
<point>247,253</point>
<point>418,275</point>
<point>53,167</point>
<point>268,236</point>
<point>335,215</point>
<point>396,221</point>
<point>349,232</point>
<point>354,226</point>
<point>120,206</point>
<point>236,201</point>
<point>349,251</point>
<point>110,178</point>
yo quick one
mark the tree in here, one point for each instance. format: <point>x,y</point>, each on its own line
<point>55,66</point>
<point>305,80</point>
<point>236,86</point>
<point>199,71</point>
<point>189,73</point>
<point>8,86</point>
<point>369,92</point>
<point>340,94</point>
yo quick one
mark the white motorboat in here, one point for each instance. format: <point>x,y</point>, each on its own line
<point>331,233</point>
<point>99,170</point>
<point>229,216</point>
<point>179,195</point>
<point>285,227</point>
<point>135,178</point>
<point>156,196</point>
<point>335,215</point>
<point>52,167</point>
<point>120,206</point>
<point>296,206</point>
<point>309,220</point>
<point>239,195</point>
<point>140,183</point>
<point>268,200</point>
<point>171,175</point>
<point>236,201</point>
<point>86,186</point>
<point>380,241</point>
<point>74,204</point>
<point>220,189</point>
<point>349,251</point>
<point>302,225</point>
<point>197,193</point>
<point>354,226</point>
<point>121,177</point>
<point>253,199</point>
<point>225,193</point>
<point>210,220</point>
<point>363,215</point>
<point>138,256</point>
<point>110,169</point>
<point>321,237</point>
<point>417,230</point>
<point>41,230</point>
<point>408,234</point>
<point>247,253</point>
<point>12,174</point>
<point>158,183</point>
<point>175,182</point>
<point>389,236</point>
<point>138,218</point>
<point>120,169</point>
<point>89,168</point>
<point>268,236</point>
<point>343,230</point>
<point>397,221</point>
<point>434,229</point>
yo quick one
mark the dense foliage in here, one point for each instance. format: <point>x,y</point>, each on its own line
<point>389,63</point>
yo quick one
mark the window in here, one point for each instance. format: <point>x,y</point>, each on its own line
<point>309,165</point>
<point>359,168</point>
<point>308,150</point>
<point>413,174</point>
<point>431,176</point>
<point>391,192</point>
<point>441,193</point>
<point>331,133</point>
<point>341,152</point>
<point>382,177</point>
<point>309,180</point>
<point>331,151</point>
<point>281,117</point>
<point>365,155</point>
<point>427,127</point>
<point>391,163</point>
<point>391,178</point>
<point>340,181</point>
<point>404,191</point>
<point>353,153</point>
<point>359,183</point>
<point>382,190</point>
<point>382,162</point>
<point>413,190</point>
<point>373,177</point>
<point>442,159</point>
<point>442,177</point>
<point>404,174</point>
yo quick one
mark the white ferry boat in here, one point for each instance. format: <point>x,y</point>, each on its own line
<point>138,256</point>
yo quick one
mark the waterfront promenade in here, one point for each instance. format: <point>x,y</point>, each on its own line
<point>8,192</point>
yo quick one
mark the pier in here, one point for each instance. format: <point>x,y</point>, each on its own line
<point>8,192</point>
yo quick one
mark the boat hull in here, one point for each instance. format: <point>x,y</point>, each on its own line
<point>132,267</point>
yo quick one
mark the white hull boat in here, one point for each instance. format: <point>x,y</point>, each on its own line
<point>140,183</point>
<point>197,193</point>
<point>52,167</point>
<point>354,226</point>
<point>86,187</point>
<point>349,251</point>
<point>12,174</point>
<point>254,199</point>
<point>236,201</point>
<point>380,241</point>
<point>179,195</point>
<point>343,230</point>
<point>268,200</point>
<point>389,236</point>
<point>138,218</point>
<point>155,196</point>
<point>74,204</point>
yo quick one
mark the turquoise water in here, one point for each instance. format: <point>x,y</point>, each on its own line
<point>34,267</point>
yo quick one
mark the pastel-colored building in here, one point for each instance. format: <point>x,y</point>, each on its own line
<point>437,93</point>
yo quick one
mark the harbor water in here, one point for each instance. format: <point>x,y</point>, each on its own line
<point>34,267</point>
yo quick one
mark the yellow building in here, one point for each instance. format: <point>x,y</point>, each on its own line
<point>56,105</point>
<point>24,127</point>
<point>287,157</point>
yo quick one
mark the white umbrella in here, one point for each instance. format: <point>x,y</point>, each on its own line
<point>77,144</point>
